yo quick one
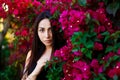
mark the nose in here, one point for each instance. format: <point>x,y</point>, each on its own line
<point>47,34</point>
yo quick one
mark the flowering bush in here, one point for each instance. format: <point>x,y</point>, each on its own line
<point>91,30</point>
<point>92,49</point>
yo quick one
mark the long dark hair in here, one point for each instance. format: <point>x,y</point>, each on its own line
<point>38,47</point>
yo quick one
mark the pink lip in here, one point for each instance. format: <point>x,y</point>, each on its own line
<point>47,40</point>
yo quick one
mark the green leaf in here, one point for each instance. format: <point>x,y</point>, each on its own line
<point>105,33</point>
<point>89,44</point>
<point>88,54</point>
<point>112,8</point>
<point>107,64</point>
<point>115,77</point>
<point>96,78</point>
<point>76,58</point>
<point>109,49</point>
<point>114,58</point>
<point>55,15</point>
<point>82,2</point>
<point>88,18</point>
<point>117,45</point>
<point>116,34</point>
<point>106,38</point>
<point>102,76</point>
<point>75,49</point>
<point>96,21</point>
<point>106,1</point>
<point>83,50</point>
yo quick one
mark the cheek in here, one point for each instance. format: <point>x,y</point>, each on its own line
<point>40,35</point>
<point>51,34</point>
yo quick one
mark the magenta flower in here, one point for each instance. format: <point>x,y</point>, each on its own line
<point>24,32</point>
<point>118,52</point>
<point>70,22</point>
<point>36,3</point>
<point>98,46</point>
<point>63,53</point>
<point>84,68</point>
<point>100,29</point>
<point>2,12</point>
<point>77,53</point>
<point>111,73</point>
<point>94,63</point>
<point>110,54</point>
<point>16,12</point>
<point>96,66</point>
<point>117,69</point>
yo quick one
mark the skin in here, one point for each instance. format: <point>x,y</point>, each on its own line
<point>45,32</point>
<point>45,35</point>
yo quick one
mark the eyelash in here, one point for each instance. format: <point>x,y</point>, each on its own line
<point>42,30</point>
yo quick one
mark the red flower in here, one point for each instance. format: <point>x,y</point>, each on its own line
<point>96,67</point>
<point>24,32</point>
<point>94,63</point>
<point>118,52</point>
<point>84,69</point>
<point>111,73</point>
<point>63,53</point>
<point>17,33</point>
<point>117,69</point>
<point>110,54</point>
<point>100,29</point>
<point>77,53</point>
<point>98,46</point>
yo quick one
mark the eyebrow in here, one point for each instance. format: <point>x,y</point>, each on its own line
<point>40,27</point>
<point>43,27</point>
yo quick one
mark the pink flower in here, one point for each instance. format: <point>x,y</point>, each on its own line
<point>16,12</point>
<point>117,69</point>
<point>110,54</point>
<point>77,53</point>
<point>36,3</point>
<point>63,53</point>
<point>70,22</point>
<point>100,29</point>
<point>77,75</point>
<point>94,63</point>
<point>118,52</point>
<point>17,33</point>
<point>96,66</point>
<point>99,36</point>
<point>24,32</point>
<point>111,73</point>
<point>98,46</point>
<point>84,68</point>
<point>101,4</point>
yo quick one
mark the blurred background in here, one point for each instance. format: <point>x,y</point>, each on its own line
<point>16,20</point>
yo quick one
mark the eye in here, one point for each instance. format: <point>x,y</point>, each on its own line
<point>50,30</point>
<point>41,30</point>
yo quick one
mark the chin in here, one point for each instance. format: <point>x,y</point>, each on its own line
<point>48,44</point>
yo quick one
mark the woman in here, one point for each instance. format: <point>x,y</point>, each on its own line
<point>45,42</point>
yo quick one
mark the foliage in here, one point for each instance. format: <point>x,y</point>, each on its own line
<point>91,29</point>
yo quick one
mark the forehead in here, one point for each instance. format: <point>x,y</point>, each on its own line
<point>45,23</point>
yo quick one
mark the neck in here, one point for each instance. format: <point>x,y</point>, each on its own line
<point>48,47</point>
<point>48,50</point>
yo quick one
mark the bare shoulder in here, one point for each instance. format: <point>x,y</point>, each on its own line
<point>28,55</point>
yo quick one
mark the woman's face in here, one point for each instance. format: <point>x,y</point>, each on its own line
<point>45,32</point>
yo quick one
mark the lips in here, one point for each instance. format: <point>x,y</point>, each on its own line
<point>48,41</point>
